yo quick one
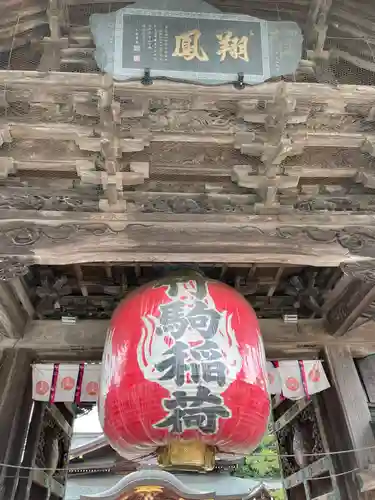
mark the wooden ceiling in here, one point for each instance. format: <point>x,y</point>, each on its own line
<point>93,291</point>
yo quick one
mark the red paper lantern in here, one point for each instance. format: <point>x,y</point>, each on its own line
<point>184,363</point>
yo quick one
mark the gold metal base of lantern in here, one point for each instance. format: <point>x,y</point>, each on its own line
<point>187,456</point>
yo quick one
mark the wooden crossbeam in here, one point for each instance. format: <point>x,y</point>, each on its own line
<point>57,238</point>
<point>89,82</point>
<point>83,137</point>
<point>54,340</point>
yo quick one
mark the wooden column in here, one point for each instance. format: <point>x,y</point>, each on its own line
<point>26,481</point>
<point>15,306</point>
<point>15,410</point>
<point>347,417</point>
<point>46,454</point>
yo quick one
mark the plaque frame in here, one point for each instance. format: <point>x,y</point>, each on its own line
<point>201,77</point>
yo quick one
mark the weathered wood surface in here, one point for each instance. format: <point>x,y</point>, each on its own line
<point>85,339</point>
<point>93,291</point>
<point>21,22</point>
<point>353,428</point>
<point>280,145</point>
<point>338,436</point>
<point>345,377</point>
<point>352,297</point>
<point>15,372</point>
<point>366,368</point>
<point>69,237</point>
<point>88,82</point>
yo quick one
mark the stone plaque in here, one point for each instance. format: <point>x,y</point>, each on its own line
<point>204,47</point>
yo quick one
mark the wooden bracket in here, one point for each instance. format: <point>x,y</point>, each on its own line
<point>353,296</point>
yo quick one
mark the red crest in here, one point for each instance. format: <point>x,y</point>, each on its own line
<point>42,387</point>
<point>67,383</point>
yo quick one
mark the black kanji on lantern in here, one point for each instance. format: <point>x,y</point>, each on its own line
<point>206,351</point>
<point>179,315</point>
<point>204,319</point>
<point>173,320</point>
<point>205,365</point>
<point>173,365</point>
<point>200,410</point>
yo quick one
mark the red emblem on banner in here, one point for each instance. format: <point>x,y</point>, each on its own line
<point>314,375</point>
<point>184,358</point>
<point>68,383</point>
<point>42,387</point>
<point>92,388</point>
<point>292,384</point>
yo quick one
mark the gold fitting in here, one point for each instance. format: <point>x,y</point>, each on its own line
<point>187,455</point>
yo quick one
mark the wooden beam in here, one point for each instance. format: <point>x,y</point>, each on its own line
<point>319,93</point>
<point>85,140</point>
<point>51,339</point>
<point>310,239</point>
<point>57,238</point>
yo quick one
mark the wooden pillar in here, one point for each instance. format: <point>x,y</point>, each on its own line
<point>46,453</point>
<point>347,417</point>
<point>15,410</point>
<point>25,483</point>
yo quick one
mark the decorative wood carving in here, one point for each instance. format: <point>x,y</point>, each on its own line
<point>83,128</point>
<point>322,239</point>
<point>11,268</point>
<point>15,199</point>
<point>305,291</point>
<point>358,241</point>
<point>354,299</point>
<point>51,291</point>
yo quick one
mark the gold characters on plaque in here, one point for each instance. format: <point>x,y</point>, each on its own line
<point>189,48</point>
<point>234,46</point>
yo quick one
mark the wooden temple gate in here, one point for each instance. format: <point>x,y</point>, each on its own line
<point>104,184</point>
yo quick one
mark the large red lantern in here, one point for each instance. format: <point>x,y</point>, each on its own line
<point>184,373</point>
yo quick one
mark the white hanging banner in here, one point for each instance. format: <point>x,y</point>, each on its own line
<point>291,380</point>
<point>80,383</point>
<point>273,376</point>
<point>42,382</point>
<point>316,377</point>
<point>66,383</point>
<point>90,383</point>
